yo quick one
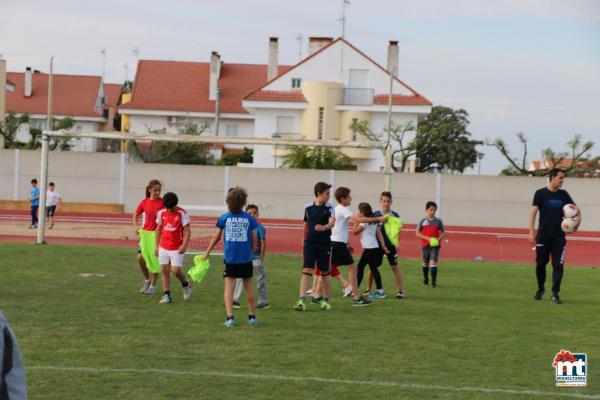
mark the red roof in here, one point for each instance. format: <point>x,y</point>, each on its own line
<point>8,81</point>
<point>112,92</point>
<point>401,100</point>
<point>416,99</point>
<point>292,96</point>
<point>73,95</point>
<point>183,86</point>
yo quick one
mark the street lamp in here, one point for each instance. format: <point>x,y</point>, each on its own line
<point>275,136</point>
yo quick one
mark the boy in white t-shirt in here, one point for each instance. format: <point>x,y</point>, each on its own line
<point>52,200</point>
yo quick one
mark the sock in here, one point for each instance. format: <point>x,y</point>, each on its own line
<point>250,316</point>
<point>434,269</point>
<point>146,280</point>
<point>303,299</point>
<point>426,273</point>
<point>168,293</point>
<point>380,291</point>
<point>185,284</point>
<point>326,299</point>
<point>229,317</point>
<point>151,286</point>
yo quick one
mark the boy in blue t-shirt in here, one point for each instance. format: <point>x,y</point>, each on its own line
<point>34,199</point>
<point>239,231</point>
<point>259,265</point>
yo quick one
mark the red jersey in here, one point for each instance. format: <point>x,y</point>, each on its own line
<point>150,209</point>
<point>171,224</point>
<point>430,228</point>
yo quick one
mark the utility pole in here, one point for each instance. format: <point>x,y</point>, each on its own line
<point>387,166</point>
<point>103,52</point>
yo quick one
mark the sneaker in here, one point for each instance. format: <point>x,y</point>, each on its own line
<point>229,322</point>
<point>555,299</point>
<point>539,294</point>
<point>362,302</point>
<point>316,301</point>
<point>252,320</point>
<point>367,293</point>
<point>263,306</point>
<point>150,291</point>
<point>426,283</point>
<point>236,305</point>
<point>35,226</point>
<point>51,226</point>
<point>165,299</point>
<point>433,286</point>
<point>309,292</point>
<point>325,306</point>
<point>300,306</point>
<point>400,295</point>
<point>30,227</point>
<point>187,291</point>
<point>347,292</point>
<point>145,287</point>
<point>378,295</point>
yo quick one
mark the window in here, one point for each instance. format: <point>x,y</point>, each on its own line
<point>320,127</point>
<point>296,83</point>
<point>285,124</point>
<point>231,130</point>
<point>354,132</point>
<point>78,128</point>
<point>171,120</point>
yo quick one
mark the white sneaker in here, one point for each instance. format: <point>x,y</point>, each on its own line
<point>145,287</point>
<point>150,291</point>
<point>165,299</point>
<point>309,292</point>
<point>187,291</point>
<point>347,292</point>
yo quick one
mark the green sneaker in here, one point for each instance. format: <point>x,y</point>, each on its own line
<point>325,306</point>
<point>300,306</point>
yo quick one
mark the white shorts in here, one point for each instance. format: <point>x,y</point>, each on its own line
<point>170,256</point>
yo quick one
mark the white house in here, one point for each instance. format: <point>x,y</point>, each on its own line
<point>86,99</point>
<point>322,95</point>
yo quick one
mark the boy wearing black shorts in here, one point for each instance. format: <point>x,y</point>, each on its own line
<point>319,218</point>
<point>431,231</point>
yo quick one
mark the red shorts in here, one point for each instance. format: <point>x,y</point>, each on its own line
<point>334,272</point>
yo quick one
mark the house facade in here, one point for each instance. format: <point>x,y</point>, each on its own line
<point>90,102</point>
<point>321,96</point>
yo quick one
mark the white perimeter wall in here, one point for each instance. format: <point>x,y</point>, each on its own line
<point>486,201</point>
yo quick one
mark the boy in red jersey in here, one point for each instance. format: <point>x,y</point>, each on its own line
<point>431,232</point>
<point>172,237</point>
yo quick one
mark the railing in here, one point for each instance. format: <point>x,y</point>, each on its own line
<point>358,97</point>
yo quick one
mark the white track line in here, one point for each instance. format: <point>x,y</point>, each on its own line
<point>315,379</point>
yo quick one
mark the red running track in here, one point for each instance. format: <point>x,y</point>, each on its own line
<point>285,236</point>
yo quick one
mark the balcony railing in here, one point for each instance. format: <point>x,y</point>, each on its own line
<point>358,97</point>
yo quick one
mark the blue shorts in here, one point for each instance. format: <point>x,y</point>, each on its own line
<point>319,254</point>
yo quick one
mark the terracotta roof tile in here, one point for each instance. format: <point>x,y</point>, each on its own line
<point>292,96</point>
<point>183,86</point>
<point>112,92</point>
<point>73,95</point>
<point>401,100</point>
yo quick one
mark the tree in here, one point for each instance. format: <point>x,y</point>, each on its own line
<point>304,157</point>
<point>235,158</point>
<point>174,152</point>
<point>9,128</point>
<point>441,141</point>
<point>574,167</point>
<point>12,123</point>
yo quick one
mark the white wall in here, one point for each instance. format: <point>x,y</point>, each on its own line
<point>265,125</point>
<point>79,144</point>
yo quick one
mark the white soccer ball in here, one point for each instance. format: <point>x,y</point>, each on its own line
<point>568,225</point>
<point>570,210</point>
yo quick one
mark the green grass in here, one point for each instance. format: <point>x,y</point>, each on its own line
<point>480,328</point>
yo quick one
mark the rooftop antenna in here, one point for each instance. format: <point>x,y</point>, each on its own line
<point>343,19</point>
<point>299,38</point>
<point>103,52</point>
<point>126,66</point>
<point>136,55</point>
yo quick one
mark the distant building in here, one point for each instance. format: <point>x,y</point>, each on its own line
<point>86,99</point>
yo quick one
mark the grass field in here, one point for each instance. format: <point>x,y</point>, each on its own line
<point>478,335</point>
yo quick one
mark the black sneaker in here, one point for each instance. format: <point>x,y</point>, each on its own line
<point>426,283</point>
<point>539,294</point>
<point>555,299</point>
<point>236,305</point>
<point>362,302</point>
<point>316,301</point>
<point>263,306</point>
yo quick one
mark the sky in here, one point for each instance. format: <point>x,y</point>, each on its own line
<point>530,66</point>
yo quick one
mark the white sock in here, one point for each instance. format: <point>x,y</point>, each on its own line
<point>380,291</point>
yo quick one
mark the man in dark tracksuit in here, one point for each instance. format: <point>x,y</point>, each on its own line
<point>550,240</point>
<point>12,373</point>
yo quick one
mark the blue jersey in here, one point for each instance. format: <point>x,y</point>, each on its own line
<point>318,215</point>
<point>387,242</point>
<point>261,234</point>
<point>35,192</point>
<point>237,236</point>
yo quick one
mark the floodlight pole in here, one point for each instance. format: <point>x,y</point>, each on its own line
<point>387,166</point>
<point>44,167</point>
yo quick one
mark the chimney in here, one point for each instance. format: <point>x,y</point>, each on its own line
<point>273,54</point>
<point>317,43</point>
<point>215,74</point>
<point>28,82</point>
<point>392,61</point>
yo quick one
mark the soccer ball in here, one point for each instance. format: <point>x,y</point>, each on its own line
<point>570,210</point>
<point>568,225</point>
